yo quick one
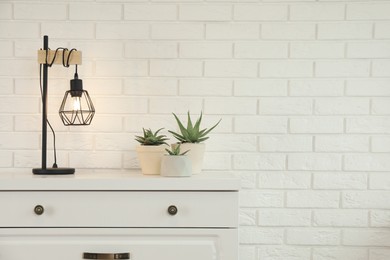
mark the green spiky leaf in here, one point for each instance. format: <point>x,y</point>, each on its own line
<point>176,151</point>
<point>191,134</point>
<point>150,138</point>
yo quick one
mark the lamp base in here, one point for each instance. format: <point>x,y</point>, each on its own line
<point>53,171</point>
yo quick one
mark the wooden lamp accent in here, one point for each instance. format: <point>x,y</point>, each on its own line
<point>75,58</point>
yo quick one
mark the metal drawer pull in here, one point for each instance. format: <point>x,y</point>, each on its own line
<point>106,256</point>
<point>172,210</point>
<point>39,209</point>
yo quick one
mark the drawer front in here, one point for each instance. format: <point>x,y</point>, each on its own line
<point>118,209</point>
<point>130,243</point>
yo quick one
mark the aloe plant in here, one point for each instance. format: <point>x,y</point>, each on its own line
<point>192,133</point>
<point>176,151</point>
<point>150,138</point>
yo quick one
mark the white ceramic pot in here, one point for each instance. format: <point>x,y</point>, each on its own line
<point>150,157</point>
<point>176,166</point>
<point>195,154</point>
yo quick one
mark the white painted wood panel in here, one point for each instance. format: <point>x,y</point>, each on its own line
<point>16,179</point>
<point>118,212</point>
<point>142,244</point>
<point>119,209</point>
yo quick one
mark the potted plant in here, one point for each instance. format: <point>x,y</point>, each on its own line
<point>175,163</point>
<point>151,150</point>
<point>191,138</point>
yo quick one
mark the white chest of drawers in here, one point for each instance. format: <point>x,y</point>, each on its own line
<point>118,215</point>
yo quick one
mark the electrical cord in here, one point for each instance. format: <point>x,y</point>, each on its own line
<point>47,120</point>
<point>65,64</point>
<point>64,50</point>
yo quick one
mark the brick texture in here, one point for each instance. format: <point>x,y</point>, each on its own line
<point>302,87</point>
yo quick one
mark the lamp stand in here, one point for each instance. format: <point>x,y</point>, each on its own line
<point>44,170</point>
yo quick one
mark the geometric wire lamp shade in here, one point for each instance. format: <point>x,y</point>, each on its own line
<point>76,110</point>
<point>77,107</point>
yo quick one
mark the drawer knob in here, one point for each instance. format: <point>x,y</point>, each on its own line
<point>39,209</point>
<point>172,210</point>
<point>106,256</point>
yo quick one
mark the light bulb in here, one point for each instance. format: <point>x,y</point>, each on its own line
<point>76,103</point>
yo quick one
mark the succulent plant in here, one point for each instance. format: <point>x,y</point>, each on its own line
<point>176,151</point>
<point>151,138</point>
<point>192,133</point>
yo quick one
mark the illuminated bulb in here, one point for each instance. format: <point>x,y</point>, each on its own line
<point>76,107</point>
<point>76,103</point>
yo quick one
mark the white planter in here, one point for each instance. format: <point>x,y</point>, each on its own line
<point>150,158</point>
<point>176,166</point>
<point>195,154</point>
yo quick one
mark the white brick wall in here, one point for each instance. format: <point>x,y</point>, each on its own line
<point>302,87</point>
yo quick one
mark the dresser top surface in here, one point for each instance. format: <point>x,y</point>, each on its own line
<point>16,179</point>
